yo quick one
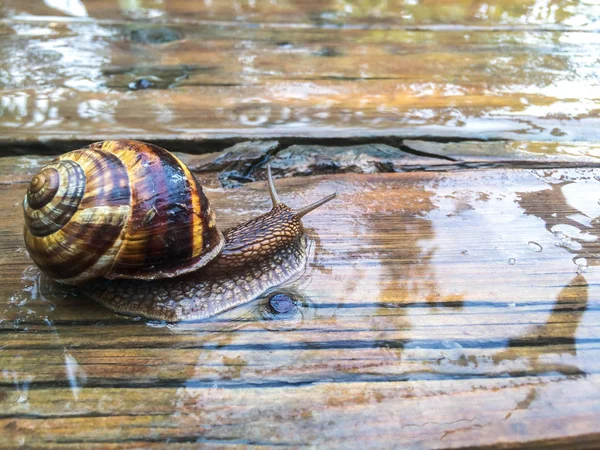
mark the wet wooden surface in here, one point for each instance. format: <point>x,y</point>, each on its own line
<point>522,70</point>
<point>439,309</point>
<point>451,299</point>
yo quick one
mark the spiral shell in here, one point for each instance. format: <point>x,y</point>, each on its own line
<point>118,209</point>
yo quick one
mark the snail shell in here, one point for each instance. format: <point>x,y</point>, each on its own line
<point>118,209</point>
<point>131,210</point>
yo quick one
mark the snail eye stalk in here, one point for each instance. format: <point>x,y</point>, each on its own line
<point>304,211</point>
<point>272,191</point>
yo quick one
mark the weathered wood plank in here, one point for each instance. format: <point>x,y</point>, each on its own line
<point>438,309</point>
<point>511,152</point>
<point>434,414</point>
<point>516,13</point>
<point>247,161</point>
<point>223,82</point>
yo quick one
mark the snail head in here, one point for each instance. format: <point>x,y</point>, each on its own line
<point>298,213</point>
<point>263,236</point>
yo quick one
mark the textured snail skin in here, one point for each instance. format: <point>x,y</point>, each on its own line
<point>258,255</point>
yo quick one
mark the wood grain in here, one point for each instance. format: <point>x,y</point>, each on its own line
<point>214,82</point>
<point>438,310</point>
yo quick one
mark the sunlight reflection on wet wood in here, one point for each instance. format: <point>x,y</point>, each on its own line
<point>437,308</point>
<point>150,81</point>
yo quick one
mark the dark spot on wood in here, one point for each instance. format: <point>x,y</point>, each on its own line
<point>281,304</point>
<point>329,52</point>
<point>161,35</point>
<point>142,83</point>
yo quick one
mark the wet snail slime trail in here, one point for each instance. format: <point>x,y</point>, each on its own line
<point>87,217</point>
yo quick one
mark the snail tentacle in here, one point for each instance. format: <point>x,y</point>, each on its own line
<point>274,197</point>
<point>304,211</point>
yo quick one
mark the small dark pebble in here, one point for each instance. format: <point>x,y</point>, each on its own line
<point>281,303</point>
<point>142,83</point>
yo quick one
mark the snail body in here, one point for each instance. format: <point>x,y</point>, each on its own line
<point>128,223</point>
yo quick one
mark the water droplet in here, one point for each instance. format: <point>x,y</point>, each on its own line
<point>569,244</point>
<point>465,253</point>
<point>582,265</point>
<point>534,246</point>
<point>512,261</point>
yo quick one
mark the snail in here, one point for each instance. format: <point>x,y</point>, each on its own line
<point>128,223</point>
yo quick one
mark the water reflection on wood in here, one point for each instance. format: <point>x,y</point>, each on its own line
<point>441,320</point>
<point>91,79</point>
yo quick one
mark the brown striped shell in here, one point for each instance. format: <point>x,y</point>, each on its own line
<point>118,209</point>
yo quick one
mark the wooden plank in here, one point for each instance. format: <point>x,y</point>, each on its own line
<point>511,152</point>
<point>439,309</point>
<point>327,12</point>
<point>225,82</point>
<point>416,414</point>
<point>247,161</point>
